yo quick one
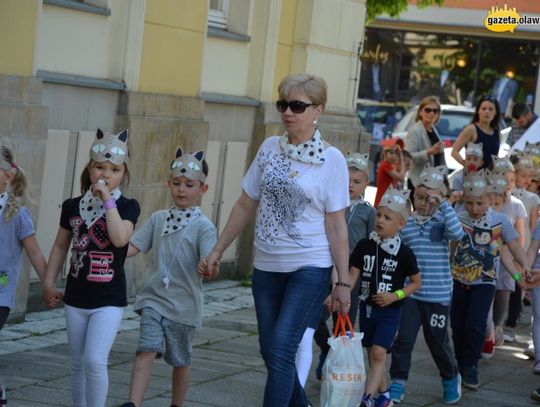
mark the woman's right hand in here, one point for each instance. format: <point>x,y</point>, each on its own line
<point>341,299</point>
<point>436,148</point>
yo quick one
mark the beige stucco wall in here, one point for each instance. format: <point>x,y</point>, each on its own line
<point>172,48</point>
<point>18,19</point>
<point>82,43</point>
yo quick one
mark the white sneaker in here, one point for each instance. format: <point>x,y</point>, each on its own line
<point>509,335</point>
<point>530,350</point>
<point>499,336</point>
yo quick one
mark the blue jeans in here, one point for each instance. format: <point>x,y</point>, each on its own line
<point>285,303</point>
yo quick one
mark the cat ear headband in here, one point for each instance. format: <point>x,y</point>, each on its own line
<point>433,177</point>
<point>397,201</point>
<point>498,183</point>
<point>502,164</point>
<point>475,150</point>
<point>110,147</point>
<point>475,184</point>
<point>6,165</point>
<point>358,161</point>
<point>188,165</point>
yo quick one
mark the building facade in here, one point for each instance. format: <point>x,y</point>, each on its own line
<point>192,73</point>
<point>447,51</point>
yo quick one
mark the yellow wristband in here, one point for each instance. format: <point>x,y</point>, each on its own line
<point>400,294</point>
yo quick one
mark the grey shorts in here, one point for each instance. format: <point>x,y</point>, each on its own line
<point>165,337</point>
<point>505,281</point>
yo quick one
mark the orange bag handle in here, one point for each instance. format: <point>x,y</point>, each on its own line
<point>342,323</point>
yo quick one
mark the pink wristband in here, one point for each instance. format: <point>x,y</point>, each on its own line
<point>109,204</point>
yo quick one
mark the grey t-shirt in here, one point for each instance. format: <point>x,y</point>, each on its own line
<point>177,255</point>
<point>12,234</point>
<point>360,220</point>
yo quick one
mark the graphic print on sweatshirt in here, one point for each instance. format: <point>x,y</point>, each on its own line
<point>282,200</point>
<point>99,262</point>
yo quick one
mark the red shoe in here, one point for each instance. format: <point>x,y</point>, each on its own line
<point>489,348</point>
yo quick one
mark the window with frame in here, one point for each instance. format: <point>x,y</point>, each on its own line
<point>217,13</point>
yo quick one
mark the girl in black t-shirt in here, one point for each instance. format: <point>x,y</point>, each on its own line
<point>98,224</point>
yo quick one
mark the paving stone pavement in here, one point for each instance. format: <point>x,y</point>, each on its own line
<point>227,369</point>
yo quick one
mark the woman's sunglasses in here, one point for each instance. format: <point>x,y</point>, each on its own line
<point>296,106</point>
<point>430,110</point>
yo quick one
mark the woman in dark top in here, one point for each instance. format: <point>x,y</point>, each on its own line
<point>484,129</point>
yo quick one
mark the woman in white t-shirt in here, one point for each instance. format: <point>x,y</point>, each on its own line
<point>298,188</point>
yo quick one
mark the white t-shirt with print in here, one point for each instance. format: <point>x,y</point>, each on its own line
<point>293,199</point>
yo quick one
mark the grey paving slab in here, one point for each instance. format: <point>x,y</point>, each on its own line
<point>227,369</point>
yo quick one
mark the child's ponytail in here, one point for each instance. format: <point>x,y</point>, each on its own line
<point>19,185</point>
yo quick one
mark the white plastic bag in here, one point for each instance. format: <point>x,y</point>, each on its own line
<point>344,373</point>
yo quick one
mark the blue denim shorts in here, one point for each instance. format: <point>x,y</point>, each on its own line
<point>380,327</point>
<point>165,337</point>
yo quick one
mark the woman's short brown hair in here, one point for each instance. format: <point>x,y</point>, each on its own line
<point>314,87</point>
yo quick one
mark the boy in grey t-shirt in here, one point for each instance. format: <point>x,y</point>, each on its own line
<point>170,304</point>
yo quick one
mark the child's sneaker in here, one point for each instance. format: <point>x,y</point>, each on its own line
<point>499,336</point>
<point>489,348</point>
<point>452,390</point>
<point>530,350</point>
<point>3,398</point>
<point>397,392</point>
<point>367,401</point>
<point>470,378</point>
<point>383,401</point>
<point>535,394</point>
<point>509,335</point>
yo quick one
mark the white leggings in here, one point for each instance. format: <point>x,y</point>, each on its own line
<point>91,333</point>
<point>304,356</point>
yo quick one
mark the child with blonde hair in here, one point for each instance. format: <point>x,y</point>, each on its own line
<point>98,224</point>
<point>382,263</point>
<point>16,233</point>
<point>475,269</point>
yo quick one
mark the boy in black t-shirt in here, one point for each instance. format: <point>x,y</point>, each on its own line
<point>383,263</point>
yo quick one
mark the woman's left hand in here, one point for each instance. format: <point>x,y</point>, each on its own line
<point>341,299</point>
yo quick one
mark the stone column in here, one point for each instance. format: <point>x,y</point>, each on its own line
<point>157,125</point>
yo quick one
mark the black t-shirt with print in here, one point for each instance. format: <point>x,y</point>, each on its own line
<point>381,269</point>
<point>96,272</point>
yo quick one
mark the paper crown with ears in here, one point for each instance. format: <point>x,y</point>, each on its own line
<point>474,150</point>
<point>475,184</point>
<point>4,164</point>
<point>502,164</point>
<point>188,165</point>
<point>532,149</point>
<point>110,147</point>
<point>524,162</point>
<point>433,177</point>
<point>397,200</point>
<point>358,161</point>
<point>498,183</point>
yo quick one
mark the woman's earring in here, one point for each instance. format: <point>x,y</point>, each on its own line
<point>315,122</point>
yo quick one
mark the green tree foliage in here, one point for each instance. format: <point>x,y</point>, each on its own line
<point>394,7</point>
